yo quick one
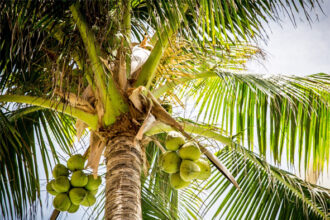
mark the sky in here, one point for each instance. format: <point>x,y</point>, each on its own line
<point>300,50</point>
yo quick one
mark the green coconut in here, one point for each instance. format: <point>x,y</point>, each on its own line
<point>177,182</point>
<point>79,179</point>
<point>60,170</point>
<point>50,189</point>
<point>61,184</point>
<point>205,169</point>
<point>189,170</point>
<point>174,141</point>
<point>76,162</point>
<point>62,202</point>
<point>93,184</point>
<point>190,151</point>
<point>77,195</point>
<point>170,162</point>
<point>73,208</point>
<point>94,192</point>
<point>89,200</point>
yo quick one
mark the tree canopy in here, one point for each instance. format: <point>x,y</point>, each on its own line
<point>51,51</point>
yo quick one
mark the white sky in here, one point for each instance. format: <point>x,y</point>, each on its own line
<point>300,50</point>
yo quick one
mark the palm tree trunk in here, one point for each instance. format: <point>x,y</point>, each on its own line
<point>123,185</point>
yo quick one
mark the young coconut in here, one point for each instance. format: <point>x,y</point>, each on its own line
<point>60,170</point>
<point>94,192</point>
<point>79,179</point>
<point>93,184</point>
<point>76,162</point>
<point>62,202</point>
<point>73,208</point>
<point>50,189</point>
<point>177,182</point>
<point>189,170</point>
<point>190,151</point>
<point>205,169</point>
<point>89,200</point>
<point>170,162</point>
<point>77,195</point>
<point>174,141</point>
<point>61,184</point>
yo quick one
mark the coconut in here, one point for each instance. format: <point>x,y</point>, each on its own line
<point>205,169</point>
<point>174,141</point>
<point>62,202</point>
<point>94,192</point>
<point>60,170</point>
<point>61,184</point>
<point>93,184</point>
<point>89,200</point>
<point>177,182</point>
<point>79,179</point>
<point>190,151</point>
<point>170,162</point>
<point>77,195</point>
<point>73,208</point>
<point>50,189</point>
<point>76,162</point>
<point>189,170</point>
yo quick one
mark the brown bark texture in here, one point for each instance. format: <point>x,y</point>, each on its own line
<point>123,185</point>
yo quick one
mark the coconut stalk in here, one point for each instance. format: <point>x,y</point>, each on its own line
<point>149,68</point>
<point>113,104</point>
<point>55,214</point>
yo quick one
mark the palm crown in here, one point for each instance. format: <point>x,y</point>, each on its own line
<point>68,65</point>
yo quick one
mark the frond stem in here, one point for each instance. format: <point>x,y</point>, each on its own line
<point>88,118</point>
<point>191,128</point>
<point>149,68</point>
<point>112,100</point>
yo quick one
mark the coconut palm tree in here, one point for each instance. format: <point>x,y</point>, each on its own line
<point>110,72</point>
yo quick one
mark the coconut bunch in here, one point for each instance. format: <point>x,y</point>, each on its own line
<point>71,186</point>
<point>183,161</point>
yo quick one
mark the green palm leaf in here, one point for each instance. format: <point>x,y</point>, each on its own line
<point>291,112</point>
<point>219,21</point>
<point>267,191</point>
<point>28,137</point>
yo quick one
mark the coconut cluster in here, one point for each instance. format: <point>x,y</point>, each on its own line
<point>71,186</point>
<point>183,161</point>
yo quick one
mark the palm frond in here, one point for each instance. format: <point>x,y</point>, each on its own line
<point>253,107</point>
<point>292,111</point>
<point>28,138</point>
<point>182,62</point>
<point>217,22</point>
<point>24,50</point>
<point>267,191</point>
